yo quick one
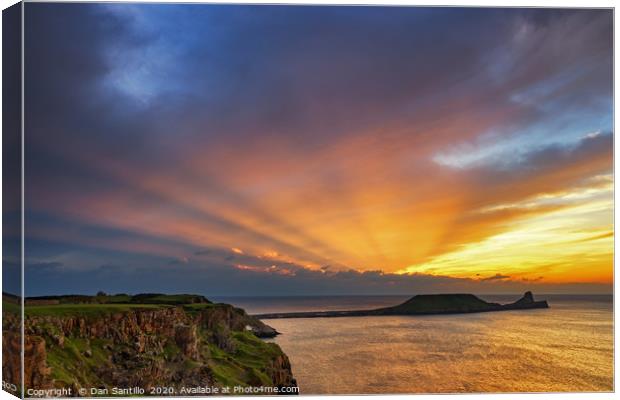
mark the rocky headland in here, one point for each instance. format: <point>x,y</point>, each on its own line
<point>145,341</point>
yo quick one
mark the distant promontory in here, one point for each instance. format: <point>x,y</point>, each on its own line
<point>424,304</point>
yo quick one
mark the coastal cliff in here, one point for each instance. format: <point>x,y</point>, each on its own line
<point>92,345</point>
<point>425,304</point>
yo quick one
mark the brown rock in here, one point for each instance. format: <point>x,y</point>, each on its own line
<point>187,340</point>
<point>36,371</point>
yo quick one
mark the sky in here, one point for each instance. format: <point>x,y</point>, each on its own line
<point>298,150</point>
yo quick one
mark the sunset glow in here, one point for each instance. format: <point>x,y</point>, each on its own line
<point>376,157</point>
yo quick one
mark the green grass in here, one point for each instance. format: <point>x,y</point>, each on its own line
<point>103,305</point>
<point>118,298</point>
<point>7,306</point>
<point>167,299</point>
<point>253,351</point>
<point>170,350</point>
<point>190,364</point>
<point>122,298</point>
<point>69,364</point>
<point>247,366</point>
<point>93,310</point>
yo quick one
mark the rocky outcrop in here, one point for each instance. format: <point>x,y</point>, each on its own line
<point>236,319</point>
<point>120,326</point>
<point>187,340</point>
<point>279,372</point>
<point>526,302</point>
<point>11,357</point>
<point>36,371</point>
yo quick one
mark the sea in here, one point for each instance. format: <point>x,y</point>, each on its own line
<point>565,348</point>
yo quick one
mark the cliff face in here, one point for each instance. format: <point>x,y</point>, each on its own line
<point>94,346</point>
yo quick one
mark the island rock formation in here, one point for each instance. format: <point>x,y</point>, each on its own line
<point>424,304</point>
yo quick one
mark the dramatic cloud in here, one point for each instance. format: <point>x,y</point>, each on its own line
<point>219,277</point>
<point>318,149</point>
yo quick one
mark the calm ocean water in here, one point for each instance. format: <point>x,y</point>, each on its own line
<point>568,347</point>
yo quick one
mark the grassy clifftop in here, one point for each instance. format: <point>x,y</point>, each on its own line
<point>122,298</point>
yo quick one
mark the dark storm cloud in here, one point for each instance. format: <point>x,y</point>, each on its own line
<point>239,67</point>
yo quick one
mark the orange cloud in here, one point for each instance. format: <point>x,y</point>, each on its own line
<point>367,211</point>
